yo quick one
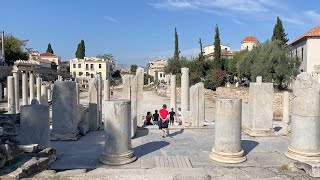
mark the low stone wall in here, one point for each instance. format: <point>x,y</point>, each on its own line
<point>11,127</point>
<point>244,95</point>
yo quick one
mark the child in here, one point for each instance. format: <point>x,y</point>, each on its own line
<point>172,114</point>
<point>179,116</point>
<point>148,118</point>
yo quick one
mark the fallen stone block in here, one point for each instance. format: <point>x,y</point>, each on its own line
<point>312,168</point>
<point>9,150</point>
<point>31,148</point>
<point>31,167</point>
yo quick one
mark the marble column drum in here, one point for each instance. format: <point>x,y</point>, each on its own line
<point>106,90</point>
<point>286,107</point>
<point>227,145</point>
<point>11,95</point>
<point>31,86</point>
<point>24,88</point>
<point>39,88</point>
<point>117,128</point>
<point>305,120</point>
<point>44,95</point>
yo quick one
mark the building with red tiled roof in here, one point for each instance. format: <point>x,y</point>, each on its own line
<point>249,42</point>
<point>306,48</point>
<point>157,68</point>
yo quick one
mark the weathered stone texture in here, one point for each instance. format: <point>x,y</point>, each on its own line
<point>197,105</point>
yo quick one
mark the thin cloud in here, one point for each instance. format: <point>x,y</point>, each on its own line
<point>111,19</point>
<point>313,15</point>
<point>237,21</point>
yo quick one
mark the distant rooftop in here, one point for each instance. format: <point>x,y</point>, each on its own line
<point>314,32</point>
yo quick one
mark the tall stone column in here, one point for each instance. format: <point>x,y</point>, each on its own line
<point>286,107</point>
<point>173,93</point>
<point>35,125</point>
<point>140,83</point>
<point>184,92</point>
<point>16,90</point>
<point>117,129</point>
<point>106,90</point>
<point>99,78</point>
<point>197,107</point>
<point>39,82</point>
<point>156,79</point>
<point>5,93</point>
<point>93,105</point>
<point>49,92</point>
<point>24,88</point>
<point>78,93</point>
<point>227,144</point>
<point>260,109</point>
<point>44,95</point>
<point>11,95</point>
<point>0,92</point>
<point>31,86</point>
<point>305,119</point>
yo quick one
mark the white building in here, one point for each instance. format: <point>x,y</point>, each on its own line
<point>46,59</point>
<point>208,51</point>
<point>157,66</point>
<point>307,48</point>
<point>88,67</point>
<point>248,43</point>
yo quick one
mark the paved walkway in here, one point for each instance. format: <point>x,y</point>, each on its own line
<point>265,155</point>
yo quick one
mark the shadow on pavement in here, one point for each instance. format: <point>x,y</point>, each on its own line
<point>248,145</point>
<point>277,129</point>
<point>141,132</point>
<point>176,133</point>
<point>149,147</point>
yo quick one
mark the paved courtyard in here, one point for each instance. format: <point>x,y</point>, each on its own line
<point>183,155</point>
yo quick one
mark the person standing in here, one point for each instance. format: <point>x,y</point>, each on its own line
<point>172,114</point>
<point>149,119</point>
<point>155,118</point>
<point>179,116</point>
<point>164,121</point>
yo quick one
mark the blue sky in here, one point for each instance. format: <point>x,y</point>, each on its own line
<point>135,31</point>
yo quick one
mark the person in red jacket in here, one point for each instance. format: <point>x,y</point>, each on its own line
<point>164,120</point>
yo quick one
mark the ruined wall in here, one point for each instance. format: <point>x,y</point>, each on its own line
<point>244,95</point>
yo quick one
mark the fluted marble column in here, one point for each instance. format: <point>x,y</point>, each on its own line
<point>44,95</point>
<point>106,90</point>
<point>173,93</point>
<point>39,89</point>
<point>11,95</point>
<point>185,101</point>
<point>16,90</point>
<point>24,88</point>
<point>31,86</point>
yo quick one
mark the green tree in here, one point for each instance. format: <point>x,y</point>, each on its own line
<point>176,45</point>
<point>116,74</point>
<point>278,33</point>
<point>201,72</point>
<point>133,68</point>
<point>146,77</point>
<point>49,49</point>
<point>14,49</point>
<point>106,56</point>
<point>273,62</point>
<point>217,50</point>
<point>81,50</point>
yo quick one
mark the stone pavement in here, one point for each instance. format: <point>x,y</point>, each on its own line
<point>80,159</point>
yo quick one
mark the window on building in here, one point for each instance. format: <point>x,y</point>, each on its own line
<point>87,74</point>
<point>100,66</point>
<point>161,75</point>
<point>87,66</point>
<point>79,65</point>
<point>247,47</point>
<point>92,75</point>
<point>91,67</point>
<point>226,49</point>
<point>74,66</point>
<point>302,54</point>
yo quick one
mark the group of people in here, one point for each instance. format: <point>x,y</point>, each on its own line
<point>163,119</point>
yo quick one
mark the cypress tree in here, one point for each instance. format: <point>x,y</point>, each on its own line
<point>81,50</point>
<point>49,49</point>
<point>217,50</point>
<point>176,45</point>
<point>278,33</point>
<point>201,65</point>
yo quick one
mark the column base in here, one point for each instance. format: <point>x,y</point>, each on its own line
<point>302,156</point>
<point>258,132</point>
<point>65,136</point>
<point>116,160</point>
<point>231,158</point>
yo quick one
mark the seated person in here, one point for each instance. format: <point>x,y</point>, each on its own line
<point>149,119</point>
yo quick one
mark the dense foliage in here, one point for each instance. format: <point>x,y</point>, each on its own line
<point>81,50</point>
<point>49,49</point>
<point>14,49</point>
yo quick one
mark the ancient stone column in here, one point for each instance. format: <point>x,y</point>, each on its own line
<point>5,93</point>
<point>44,95</point>
<point>65,111</point>
<point>78,93</point>
<point>24,88</point>
<point>286,107</point>
<point>245,115</point>
<point>35,124</point>
<point>184,92</point>
<point>11,95</point>
<point>260,109</point>
<point>117,128</point>
<point>106,90</point>
<point>0,92</point>
<point>156,79</point>
<point>39,89</point>
<point>140,83</point>
<point>173,93</point>
<point>305,119</point>
<point>49,92</point>
<point>227,143</point>
<point>16,90</point>
<point>94,124</point>
<point>31,86</point>
<point>197,102</point>
<point>99,78</point>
